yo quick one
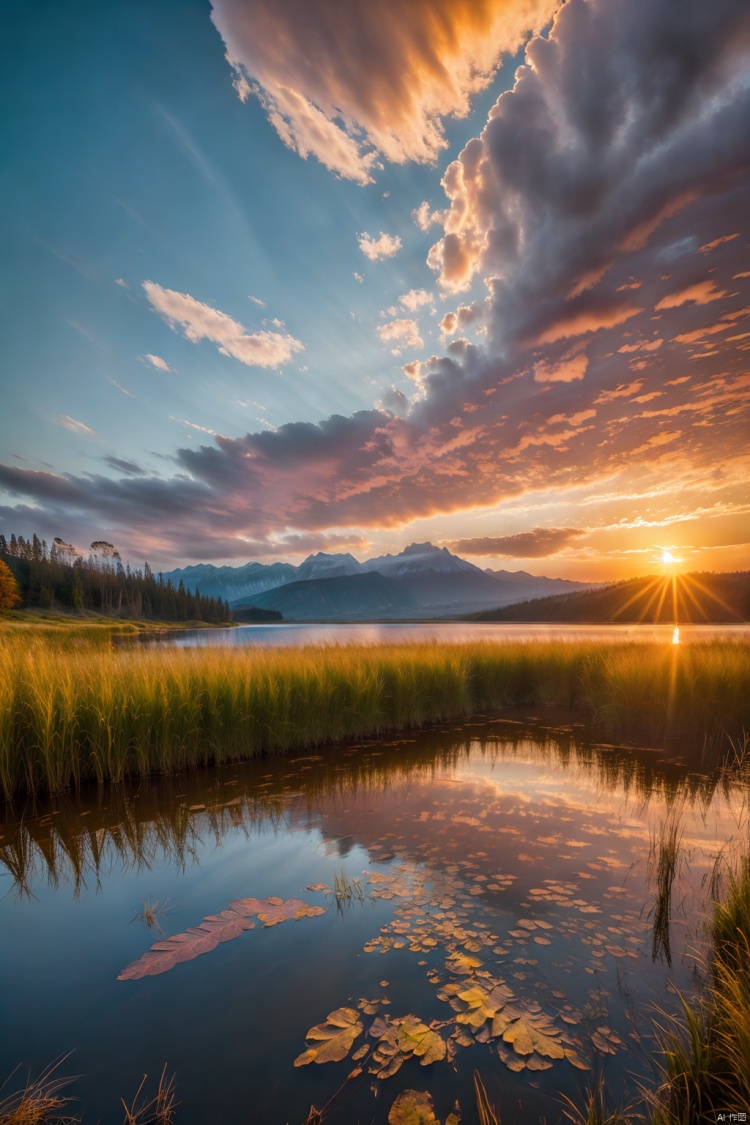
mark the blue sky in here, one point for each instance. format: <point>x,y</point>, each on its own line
<point>134,159</point>
<point>130,158</point>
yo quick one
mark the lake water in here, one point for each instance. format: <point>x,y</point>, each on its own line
<point>500,919</point>
<point>276,636</point>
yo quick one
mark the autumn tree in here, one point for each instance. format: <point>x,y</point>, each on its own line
<point>9,593</point>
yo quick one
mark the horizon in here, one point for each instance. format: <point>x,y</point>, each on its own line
<point>477,279</point>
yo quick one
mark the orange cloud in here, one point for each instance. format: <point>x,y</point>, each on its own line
<point>709,246</point>
<point>701,293</point>
<point>565,370</point>
<point>643,346</point>
<point>587,320</point>
<point>347,83</point>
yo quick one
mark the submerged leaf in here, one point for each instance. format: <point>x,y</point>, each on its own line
<point>213,930</point>
<point>412,1107</point>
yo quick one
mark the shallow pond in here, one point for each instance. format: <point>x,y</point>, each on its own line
<point>495,913</point>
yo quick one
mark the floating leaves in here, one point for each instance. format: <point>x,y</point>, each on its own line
<point>214,929</point>
<point>401,1038</point>
<point>336,1036</point>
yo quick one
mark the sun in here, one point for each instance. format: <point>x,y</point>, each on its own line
<point>668,558</point>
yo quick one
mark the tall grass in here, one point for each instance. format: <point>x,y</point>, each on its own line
<point>663,864</point>
<point>76,710</point>
<point>706,1067</point>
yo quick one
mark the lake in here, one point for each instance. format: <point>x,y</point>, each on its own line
<point>275,636</point>
<point>495,912</point>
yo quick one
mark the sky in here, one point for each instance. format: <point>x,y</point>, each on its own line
<point>280,278</point>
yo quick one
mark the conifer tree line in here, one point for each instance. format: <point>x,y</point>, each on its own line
<point>61,577</point>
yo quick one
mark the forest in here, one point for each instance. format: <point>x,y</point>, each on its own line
<point>61,577</point>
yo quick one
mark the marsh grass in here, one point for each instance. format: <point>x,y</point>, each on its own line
<point>485,1111</point>
<point>706,1049</point>
<point>74,709</point>
<point>663,866</point>
<point>158,1110</point>
<point>594,1110</point>
<point>150,914</point>
<point>40,1101</point>
<point>346,889</point>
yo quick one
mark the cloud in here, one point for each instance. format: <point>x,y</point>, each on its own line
<point>615,126</point>
<point>256,300</point>
<point>394,400</point>
<point>201,322</point>
<point>307,131</point>
<point>415,299</point>
<point>587,317</point>
<point>358,277</point>
<point>374,248</point>
<point>461,318</point>
<point>424,216</point>
<point>536,544</point>
<point>71,424</point>
<point>120,465</point>
<point>356,83</point>
<point>642,346</point>
<point>155,361</point>
<point>622,145</point>
<point>709,246</point>
<point>565,370</point>
<point>702,293</point>
<point>123,390</point>
<point>402,330</point>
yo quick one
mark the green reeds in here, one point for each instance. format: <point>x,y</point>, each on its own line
<point>79,711</point>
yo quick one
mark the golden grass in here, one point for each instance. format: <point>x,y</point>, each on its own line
<point>706,1064</point>
<point>39,1102</point>
<point>74,710</point>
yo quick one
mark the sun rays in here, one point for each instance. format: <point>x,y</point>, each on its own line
<point>674,598</point>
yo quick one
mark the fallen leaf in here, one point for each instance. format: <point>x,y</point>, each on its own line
<point>213,930</point>
<point>412,1107</point>
<point>337,1036</point>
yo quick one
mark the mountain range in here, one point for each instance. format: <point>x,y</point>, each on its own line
<point>420,582</point>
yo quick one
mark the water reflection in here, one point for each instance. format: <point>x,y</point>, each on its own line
<point>518,914</point>
<point>295,635</point>
<point>71,840</point>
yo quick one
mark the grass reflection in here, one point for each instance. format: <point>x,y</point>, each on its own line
<point>72,839</point>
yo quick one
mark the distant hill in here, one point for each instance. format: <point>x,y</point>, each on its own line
<point>349,597</point>
<point>429,582</point>
<point>698,597</point>
<point>536,586</point>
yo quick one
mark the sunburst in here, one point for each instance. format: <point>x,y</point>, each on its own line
<point>687,598</point>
